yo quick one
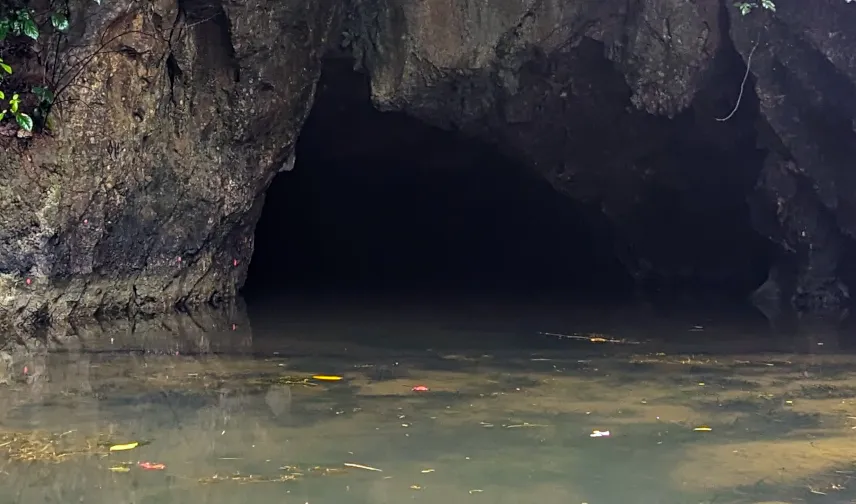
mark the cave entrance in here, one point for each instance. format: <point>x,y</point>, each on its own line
<point>380,203</point>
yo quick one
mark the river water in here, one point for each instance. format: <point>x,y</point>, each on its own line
<point>469,403</point>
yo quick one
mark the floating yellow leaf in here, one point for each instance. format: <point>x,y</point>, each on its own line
<point>124,447</point>
<point>120,469</point>
<point>322,377</point>
<point>703,428</point>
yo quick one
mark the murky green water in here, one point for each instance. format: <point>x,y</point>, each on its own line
<point>235,416</point>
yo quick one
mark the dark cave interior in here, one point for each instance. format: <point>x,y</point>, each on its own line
<point>379,202</point>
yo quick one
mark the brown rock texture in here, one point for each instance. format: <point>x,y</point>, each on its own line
<point>583,91</point>
<point>146,194</point>
<point>175,117</point>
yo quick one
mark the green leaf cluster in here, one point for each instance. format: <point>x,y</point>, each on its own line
<point>747,7</point>
<point>17,23</point>
<point>13,103</point>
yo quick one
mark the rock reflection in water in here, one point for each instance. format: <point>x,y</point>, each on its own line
<point>278,399</point>
<point>222,330</point>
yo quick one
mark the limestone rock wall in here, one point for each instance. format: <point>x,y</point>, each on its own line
<point>178,115</point>
<point>581,91</point>
<point>595,96</point>
<point>146,194</point>
<point>803,65</point>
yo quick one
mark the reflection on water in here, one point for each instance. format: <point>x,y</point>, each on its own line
<point>700,408</point>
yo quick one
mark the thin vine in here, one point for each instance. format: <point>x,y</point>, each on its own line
<point>742,84</point>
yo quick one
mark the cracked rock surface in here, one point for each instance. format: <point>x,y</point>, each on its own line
<point>146,195</point>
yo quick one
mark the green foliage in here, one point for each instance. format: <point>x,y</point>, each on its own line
<point>59,21</point>
<point>14,103</point>
<point>747,7</point>
<point>19,22</point>
<point>26,23</point>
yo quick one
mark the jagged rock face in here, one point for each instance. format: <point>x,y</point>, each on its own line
<point>804,65</point>
<point>577,88</point>
<point>662,46</point>
<point>595,96</point>
<point>147,193</point>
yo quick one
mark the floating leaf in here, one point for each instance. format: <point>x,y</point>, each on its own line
<point>151,466</point>
<point>120,469</point>
<point>326,377</point>
<point>124,447</point>
<point>702,428</point>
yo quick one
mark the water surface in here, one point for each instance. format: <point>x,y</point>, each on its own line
<point>700,407</point>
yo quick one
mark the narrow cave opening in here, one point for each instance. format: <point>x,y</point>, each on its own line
<point>381,204</point>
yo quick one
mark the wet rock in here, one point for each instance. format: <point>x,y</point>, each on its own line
<point>145,196</point>
<point>7,369</point>
<point>584,94</point>
<point>805,77</point>
<point>580,91</point>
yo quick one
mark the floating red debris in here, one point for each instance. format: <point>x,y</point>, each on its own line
<point>178,259</point>
<point>26,370</point>
<point>29,281</point>
<point>151,466</point>
<point>420,388</point>
<point>235,263</point>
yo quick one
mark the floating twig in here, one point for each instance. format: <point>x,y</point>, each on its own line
<point>360,466</point>
<point>592,338</point>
